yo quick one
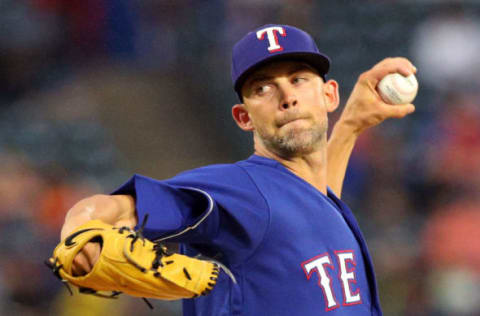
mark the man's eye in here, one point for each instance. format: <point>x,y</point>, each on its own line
<point>263,89</point>
<point>299,79</point>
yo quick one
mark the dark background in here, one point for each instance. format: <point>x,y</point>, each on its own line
<point>92,91</point>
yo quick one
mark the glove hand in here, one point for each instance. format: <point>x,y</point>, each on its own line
<point>85,260</point>
<point>129,263</point>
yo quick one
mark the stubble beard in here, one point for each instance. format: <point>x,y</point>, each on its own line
<point>296,141</point>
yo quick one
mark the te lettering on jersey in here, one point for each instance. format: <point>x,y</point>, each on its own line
<point>272,37</point>
<point>323,265</point>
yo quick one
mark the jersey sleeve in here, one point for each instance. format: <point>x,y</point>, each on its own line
<point>216,209</point>
<point>170,208</point>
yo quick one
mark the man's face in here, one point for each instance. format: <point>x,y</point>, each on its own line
<point>287,104</point>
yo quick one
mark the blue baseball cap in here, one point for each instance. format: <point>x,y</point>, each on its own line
<point>273,42</point>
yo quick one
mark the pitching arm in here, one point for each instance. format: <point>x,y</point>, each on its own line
<point>364,109</point>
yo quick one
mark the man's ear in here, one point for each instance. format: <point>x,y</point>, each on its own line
<point>241,117</point>
<point>332,97</point>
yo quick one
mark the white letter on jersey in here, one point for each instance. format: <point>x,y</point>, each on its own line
<point>318,264</point>
<point>273,45</point>
<point>347,276</point>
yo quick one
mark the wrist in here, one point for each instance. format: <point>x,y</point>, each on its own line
<point>344,128</point>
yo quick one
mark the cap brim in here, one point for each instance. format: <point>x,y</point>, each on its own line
<point>318,61</point>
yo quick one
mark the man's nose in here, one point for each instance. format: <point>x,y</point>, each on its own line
<point>289,97</point>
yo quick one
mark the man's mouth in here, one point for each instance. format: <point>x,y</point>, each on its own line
<point>290,120</point>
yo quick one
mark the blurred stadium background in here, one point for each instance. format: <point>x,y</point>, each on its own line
<point>94,90</point>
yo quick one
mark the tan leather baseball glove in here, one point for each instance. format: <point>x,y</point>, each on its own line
<point>131,264</point>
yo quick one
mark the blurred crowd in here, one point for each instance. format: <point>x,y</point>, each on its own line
<point>92,91</point>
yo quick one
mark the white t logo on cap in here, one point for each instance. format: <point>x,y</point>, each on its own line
<point>271,32</point>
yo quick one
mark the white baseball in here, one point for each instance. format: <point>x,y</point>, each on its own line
<point>397,89</point>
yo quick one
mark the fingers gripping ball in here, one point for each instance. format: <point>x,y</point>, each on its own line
<point>131,264</point>
<point>398,89</point>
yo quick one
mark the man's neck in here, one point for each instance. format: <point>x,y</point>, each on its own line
<point>311,167</point>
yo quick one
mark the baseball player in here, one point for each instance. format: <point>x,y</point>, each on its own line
<point>286,243</point>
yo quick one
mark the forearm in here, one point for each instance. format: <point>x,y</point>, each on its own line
<point>364,109</point>
<point>117,210</point>
<point>340,146</point>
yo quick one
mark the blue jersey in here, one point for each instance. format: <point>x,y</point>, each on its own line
<point>292,249</point>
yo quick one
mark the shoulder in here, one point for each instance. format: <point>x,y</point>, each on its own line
<point>218,178</point>
<point>226,183</point>
<point>218,172</point>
